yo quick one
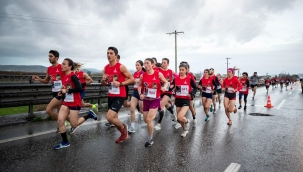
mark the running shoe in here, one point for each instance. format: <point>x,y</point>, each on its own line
<point>235,109</point>
<point>177,126</point>
<point>186,126</point>
<point>229,122</point>
<point>174,116</point>
<point>194,122</point>
<point>157,127</point>
<point>109,124</point>
<point>211,108</point>
<point>240,107</point>
<point>62,145</point>
<point>244,107</point>
<point>207,118</point>
<point>124,134</point>
<point>149,143</point>
<point>131,129</point>
<point>95,108</point>
<point>184,133</point>
<point>92,115</point>
<point>57,130</point>
<point>72,130</point>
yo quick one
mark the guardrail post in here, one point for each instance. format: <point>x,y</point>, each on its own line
<point>31,110</point>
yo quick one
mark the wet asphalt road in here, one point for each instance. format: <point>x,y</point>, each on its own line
<point>257,143</point>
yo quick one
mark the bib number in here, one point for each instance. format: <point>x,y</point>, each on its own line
<point>69,97</point>
<point>57,86</point>
<point>219,87</point>
<point>113,90</point>
<point>244,89</point>
<point>151,93</point>
<point>136,83</point>
<point>183,91</point>
<point>208,90</point>
<point>230,90</point>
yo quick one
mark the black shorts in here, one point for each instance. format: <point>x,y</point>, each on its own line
<point>55,95</point>
<point>219,91</point>
<point>230,96</point>
<point>127,90</point>
<point>115,103</point>
<point>207,95</point>
<point>245,96</point>
<point>165,94</point>
<point>182,102</point>
<point>74,107</point>
<point>136,94</point>
<point>253,86</point>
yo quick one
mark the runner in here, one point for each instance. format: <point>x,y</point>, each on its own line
<point>219,88</point>
<point>207,85</point>
<point>254,83</point>
<point>273,82</point>
<point>287,80</point>
<point>70,92</point>
<point>53,73</point>
<point>277,81</point>
<point>244,91</point>
<point>84,80</point>
<point>213,77</point>
<point>155,67</point>
<point>230,85</point>
<point>281,82</point>
<point>166,95</point>
<point>135,100</point>
<point>149,89</point>
<point>114,76</point>
<point>185,88</point>
<point>267,84</point>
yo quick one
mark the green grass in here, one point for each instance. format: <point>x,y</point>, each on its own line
<point>13,110</point>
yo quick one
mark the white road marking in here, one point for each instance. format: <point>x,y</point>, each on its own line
<point>51,131</point>
<point>281,104</point>
<point>233,167</point>
<point>290,92</point>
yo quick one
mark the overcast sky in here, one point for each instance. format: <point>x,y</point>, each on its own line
<point>258,35</point>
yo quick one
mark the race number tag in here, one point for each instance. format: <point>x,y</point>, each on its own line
<point>151,93</point>
<point>113,90</point>
<point>267,84</point>
<point>183,91</point>
<point>69,97</point>
<point>57,86</point>
<point>230,90</point>
<point>136,82</point>
<point>244,89</point>
<point>219,87</point>
<point>208,90</point>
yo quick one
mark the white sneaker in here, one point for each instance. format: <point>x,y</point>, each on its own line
<point>157,127</point>
<point>194,122</point>
<point>184,134</point>
<point>177,126</point>
<point>174,116</point>
<point>214,112</point>
<point>186,126</point>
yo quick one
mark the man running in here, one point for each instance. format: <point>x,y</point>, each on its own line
<point>287,80</point>
<point>116,76</point>
<point>244,91</point>
<point>254,83</point>
<point>273,82</point>
<point>281,82</point>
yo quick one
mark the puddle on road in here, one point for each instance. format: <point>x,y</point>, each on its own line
<point>259,114</point>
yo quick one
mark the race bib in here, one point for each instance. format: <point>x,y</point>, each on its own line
<point>244,89</point>
<point>208,90</point>
<point>230,90</point>
<point>113,90</point>
<point>69,97</point>
<point>167,88</point>
<point>136,82</point>
<point>151,93</point>
<point>219,87</point>
<point>184,90</point>
<point>267,84</point>
<point>57,86</point>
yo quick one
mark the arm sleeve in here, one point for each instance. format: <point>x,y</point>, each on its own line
<point>248,82</point>
<point>215,83</point>
<point>194,86</point>
<point>77,83</point>
<point>172,83</point>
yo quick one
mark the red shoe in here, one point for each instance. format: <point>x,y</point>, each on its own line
<point>124,135</point>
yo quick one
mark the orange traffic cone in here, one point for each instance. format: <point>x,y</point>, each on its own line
<point>268,103</point>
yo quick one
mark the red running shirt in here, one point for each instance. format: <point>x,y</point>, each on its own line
<point>137,75</point>
<point>81,78</point>
<point>55,74</point>
<point>183,87</point>
<point>244,83</point>
<point>231,84</point>
<point>207,85</point>
<point>71,99</point>
<point>168,75</point>
<point>267,82</point>
<point>151,85</point>
<point>192,76</point>
<point>114,74</point>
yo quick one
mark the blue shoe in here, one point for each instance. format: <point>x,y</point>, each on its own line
<point>207,118</point>
<point>62,145</point>
<point>211,108</point>
<point>92,115</point>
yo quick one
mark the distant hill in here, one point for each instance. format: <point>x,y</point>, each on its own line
<point>36,68</point>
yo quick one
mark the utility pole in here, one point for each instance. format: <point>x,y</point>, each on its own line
<point>227,63</point>
<point>176,33</point>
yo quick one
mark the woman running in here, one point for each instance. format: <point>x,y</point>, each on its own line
<point>71,88</point>
<point>230,85</point>
<point>207,85</point>
<point>149,89</point>
<point>219,88</point>
<point>267,84</point>
<point>244,91</point>
<point>184,86</point>
<point>135,100</point>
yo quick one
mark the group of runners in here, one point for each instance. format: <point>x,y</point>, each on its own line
<point>156,88</point>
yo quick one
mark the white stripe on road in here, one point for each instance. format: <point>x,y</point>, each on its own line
<point>52,131</point>
<point>233,167</point>
<point>281,104</point>
<point>289,92</point>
